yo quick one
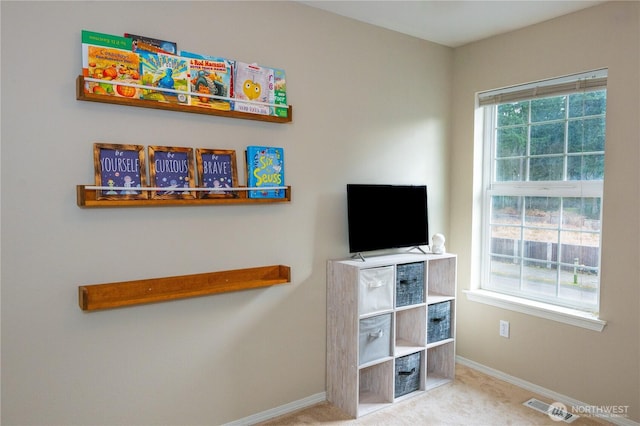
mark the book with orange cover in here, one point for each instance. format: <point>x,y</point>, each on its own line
<point>109,60</point>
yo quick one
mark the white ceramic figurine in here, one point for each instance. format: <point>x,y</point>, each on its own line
<point>437,246</point>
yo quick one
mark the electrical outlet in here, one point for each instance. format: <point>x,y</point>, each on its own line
<point>504,328</point>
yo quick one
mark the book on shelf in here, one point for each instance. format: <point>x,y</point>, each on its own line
<point>153,69</point>
<point>153,45</point>
<point>262,87</point>
<point>265,170</point>
<point>163,71</point>
<point>210,75</point>
<point>92,38</point>
<point>252,83</point>
<point>109,58</point>
<point>279,93</point>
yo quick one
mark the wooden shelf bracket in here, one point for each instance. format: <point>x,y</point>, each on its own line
<point>127,293</point>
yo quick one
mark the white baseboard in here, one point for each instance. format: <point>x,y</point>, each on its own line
<point>322,397</point>
<point>281,410</point>
<point>555,396</point>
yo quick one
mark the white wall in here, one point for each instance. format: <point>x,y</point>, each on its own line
<point>369,105</point>
<point>601,369</point>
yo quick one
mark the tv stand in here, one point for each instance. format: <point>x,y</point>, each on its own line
<point>419,249</point>
<point>390,329</point>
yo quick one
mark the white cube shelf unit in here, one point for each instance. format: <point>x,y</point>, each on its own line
<point>372,363</point>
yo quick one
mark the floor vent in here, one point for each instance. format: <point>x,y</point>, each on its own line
<point>557,411</point>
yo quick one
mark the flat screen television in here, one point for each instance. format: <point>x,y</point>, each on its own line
<point>386,216</point>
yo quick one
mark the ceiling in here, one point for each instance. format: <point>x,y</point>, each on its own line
<point>452,23</point>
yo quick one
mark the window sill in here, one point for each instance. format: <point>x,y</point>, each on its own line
<point>538,309</point>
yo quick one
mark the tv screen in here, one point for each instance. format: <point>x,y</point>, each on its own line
<point>386,216</point>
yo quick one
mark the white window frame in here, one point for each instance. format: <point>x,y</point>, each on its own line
<point>487,104</point>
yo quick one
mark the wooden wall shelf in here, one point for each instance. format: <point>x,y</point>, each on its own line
<point>141,103</point>
<point>86,198</point>
<point>115,295</point>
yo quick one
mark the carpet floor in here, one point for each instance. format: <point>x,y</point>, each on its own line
<point>473,398</point>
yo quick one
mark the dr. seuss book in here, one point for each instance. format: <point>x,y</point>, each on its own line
<point>265,169</point>
<point>252,83</point>
<point>109,59</point>
<point>164,71</point>
<point>151,44</point>
<point>210,75</point>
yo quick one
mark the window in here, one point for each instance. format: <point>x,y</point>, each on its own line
<point>542,193</point>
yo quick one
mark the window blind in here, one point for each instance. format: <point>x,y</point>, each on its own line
<point>587,81</point>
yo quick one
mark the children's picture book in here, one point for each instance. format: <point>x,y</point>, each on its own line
<point>116,69</point>
<point>210,76</point>
<point>151,44</point>
<point>279,93</point>
<point>163,71</point>
<point>100,39</point>
<point>252,83</point>
<point>265,169</point>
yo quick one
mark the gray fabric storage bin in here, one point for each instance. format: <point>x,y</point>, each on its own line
<point>439,322</point>
<point>407,374</point>
<point>375,338</point>
<point>410,284</point>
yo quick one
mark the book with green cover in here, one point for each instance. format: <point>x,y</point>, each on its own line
<point>109,59</point>
<point>108,40</point>
<point>92,38</point>
<point>279,92</point>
